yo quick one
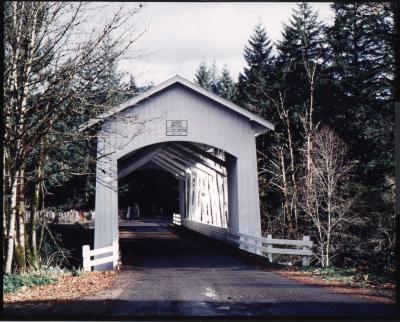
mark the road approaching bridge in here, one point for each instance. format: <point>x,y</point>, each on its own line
<point>167,271</point>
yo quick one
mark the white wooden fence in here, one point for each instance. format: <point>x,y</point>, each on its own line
<point>265,246</point>
<point>88,263</point>
<point>254,244</point>
<point>63,217</point>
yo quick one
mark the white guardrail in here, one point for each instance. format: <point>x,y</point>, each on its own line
<point>88,263</point>
<point>254,244</point>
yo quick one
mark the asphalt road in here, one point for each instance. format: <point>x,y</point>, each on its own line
<point>169,272</point>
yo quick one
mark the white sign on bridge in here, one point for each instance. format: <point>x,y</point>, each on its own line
<point>177,127</point>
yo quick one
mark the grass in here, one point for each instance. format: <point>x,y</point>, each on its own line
<point>348,276</point>
<point>14,282</point>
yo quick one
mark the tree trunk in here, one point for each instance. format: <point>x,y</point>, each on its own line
<point>32,228</point>
<point>293,175</point>
<point>310,128</point>
<point>36,206</point>
<point>11,227</point>
<point>285,190</point>
<point>6,204</point>
<point>20,244</point>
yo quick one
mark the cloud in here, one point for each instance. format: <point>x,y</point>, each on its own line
<point>181,35</point>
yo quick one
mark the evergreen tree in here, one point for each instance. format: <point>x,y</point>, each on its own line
<point>302,37</point>
<point>101,85</point>
<point>226,85</point>
<point>292,97</point>
<point>259,73</point>
<point>300,52</point>
<point>206,77</point>
<point>102,82</point>
<point>131,89</point>
<point>362,65</point>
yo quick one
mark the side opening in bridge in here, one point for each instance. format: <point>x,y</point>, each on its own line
<point>163,179</point>
<point>188,178</point>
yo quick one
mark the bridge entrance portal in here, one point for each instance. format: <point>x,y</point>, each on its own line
<point>203,141</point>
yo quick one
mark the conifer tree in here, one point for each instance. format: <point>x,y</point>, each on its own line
<point>300,57</point>
<point>206,77</point>
<point>362,42</point>
<point>292,97</point>
<point>362,64</point>
<point>259,73</point>
<point>131,89</point>
<point>226,85</point>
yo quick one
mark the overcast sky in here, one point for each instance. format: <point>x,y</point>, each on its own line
<point>181,35</point>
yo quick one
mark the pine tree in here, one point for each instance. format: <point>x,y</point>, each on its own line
<point>302,37</point>
<point>362,64</point>
<point>292,96</point>
<point>301,51</point>
<point>101,84</point>
<point>102,81</point>
<point>226,85</point>
<point>207,77</point>
<point>131,89</point>
<point>259,73</point>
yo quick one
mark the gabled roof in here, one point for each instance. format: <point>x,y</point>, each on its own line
<point>172,81</point>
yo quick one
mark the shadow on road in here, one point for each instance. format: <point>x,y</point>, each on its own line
<point>157,309</point>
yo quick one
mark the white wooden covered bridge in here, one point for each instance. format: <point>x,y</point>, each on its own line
<point>206,142</point>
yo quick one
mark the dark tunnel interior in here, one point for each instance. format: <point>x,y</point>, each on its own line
<point>149,193</point>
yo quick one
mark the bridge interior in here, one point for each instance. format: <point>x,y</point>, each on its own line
<point>175,177</point>
<point>148,192</point>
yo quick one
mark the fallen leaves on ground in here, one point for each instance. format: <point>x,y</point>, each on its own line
<point>383,294</point>
<point>67,288</point>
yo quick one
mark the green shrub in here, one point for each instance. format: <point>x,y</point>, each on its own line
<point>349,276</point>
<point>13,282</point>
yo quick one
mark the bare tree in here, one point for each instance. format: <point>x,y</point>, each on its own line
<point>284,151</point>
<point>47,45</point>
<point>323,199</point>
<point>313,69</point>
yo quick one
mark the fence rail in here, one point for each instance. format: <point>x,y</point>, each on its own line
<point>254,244</point>
<point>88,263</point>
<point>265,246</point>
<point>64,217</point>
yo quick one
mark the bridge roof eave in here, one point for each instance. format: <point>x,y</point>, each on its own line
<point>262,124</point>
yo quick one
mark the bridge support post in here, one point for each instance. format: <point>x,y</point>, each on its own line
<point>106,202</point>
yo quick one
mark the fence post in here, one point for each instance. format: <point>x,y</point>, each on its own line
<point>115,253</point>
<point>86,258</point>
<point>306,258</point>
<point>269,246</point>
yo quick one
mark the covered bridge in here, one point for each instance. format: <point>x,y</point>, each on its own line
<point>204,141</point>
